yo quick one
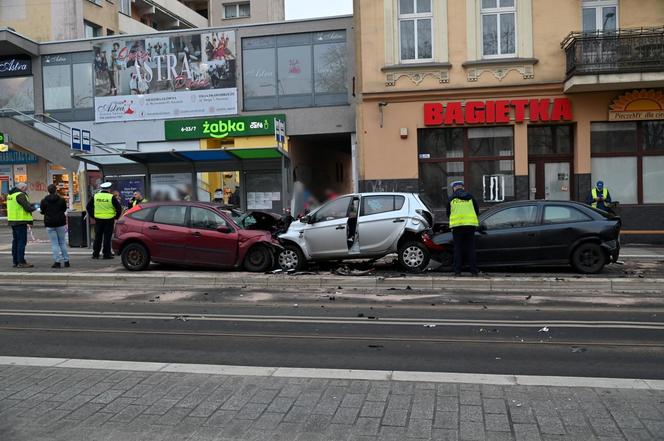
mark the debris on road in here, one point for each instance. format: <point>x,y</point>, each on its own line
<point>429,326</point>
<point>376,346</point>
<point>544,329</point>
<point>182,318</point>
<point>577,349</point>
<point>529,297</point>
<point>345,270</point>
<point>360,315</point>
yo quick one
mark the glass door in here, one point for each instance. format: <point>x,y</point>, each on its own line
<point>556,181</point>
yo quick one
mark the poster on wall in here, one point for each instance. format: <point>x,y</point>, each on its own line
<point>165,77</point>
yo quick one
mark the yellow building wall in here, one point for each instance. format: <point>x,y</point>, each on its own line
<point>31,18</point>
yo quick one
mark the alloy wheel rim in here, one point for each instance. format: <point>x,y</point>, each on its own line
<point>413,256</point>
<point>135,258</point>
<point>288,259</point>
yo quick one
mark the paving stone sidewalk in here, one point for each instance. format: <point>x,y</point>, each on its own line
<point>45,403</point>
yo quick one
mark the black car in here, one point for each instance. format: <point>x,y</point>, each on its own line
<point>541,233</point>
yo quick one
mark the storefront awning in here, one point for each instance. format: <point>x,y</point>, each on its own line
<point>174,157</point>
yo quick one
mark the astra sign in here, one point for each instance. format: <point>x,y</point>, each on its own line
<point>497,111</point>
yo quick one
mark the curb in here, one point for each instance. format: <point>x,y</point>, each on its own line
<point>480,284</point>
<point>341,374</point>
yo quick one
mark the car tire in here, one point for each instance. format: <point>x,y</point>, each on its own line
<point>258,259</point>
<point>414,257</point>
<point>588,258</point>
<point>291,258</point>
<point>135,257</point>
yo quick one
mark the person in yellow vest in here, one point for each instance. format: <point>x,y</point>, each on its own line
<point>105,209</point>
<point>599,197</point>
<point>462,210</point>
<point>19,216</point>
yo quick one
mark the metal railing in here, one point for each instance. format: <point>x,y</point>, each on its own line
<point>619,51</point>
<point>51,126</point>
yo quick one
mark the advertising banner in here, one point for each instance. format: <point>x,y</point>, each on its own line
<point>221,127</point>
<point>165,77</point>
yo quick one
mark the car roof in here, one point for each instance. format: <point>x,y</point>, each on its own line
<point>540,202</point>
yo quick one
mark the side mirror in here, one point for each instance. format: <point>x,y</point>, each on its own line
<point>223,229</point>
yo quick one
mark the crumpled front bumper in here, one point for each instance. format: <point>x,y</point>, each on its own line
<point>612,249</point>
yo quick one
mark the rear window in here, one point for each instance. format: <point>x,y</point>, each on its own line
<point>170,215</point>
<point>381,204</point>
<point>562,215</point>
<point>144,214</point>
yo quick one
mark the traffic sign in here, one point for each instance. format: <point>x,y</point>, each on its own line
<point>85,141</point>
<point>75,138</point>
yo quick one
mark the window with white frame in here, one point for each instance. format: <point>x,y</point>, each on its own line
<point>236,10</point>
<point>125,7</point>
<point>415,30</point>
<point>599,15</point>
<point>498,28</point>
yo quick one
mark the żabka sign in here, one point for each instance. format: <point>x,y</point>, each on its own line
<point>497,111</point>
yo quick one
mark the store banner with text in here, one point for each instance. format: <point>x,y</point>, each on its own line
<point>221,127</point>
<point>165,77</point>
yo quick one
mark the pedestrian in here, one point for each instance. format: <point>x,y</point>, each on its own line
<point>54,207</point>
<point>234,198</point>
<point>599,197</point>
<point>19,216</point>
<point>104,208</point>
<point>137,199</point>
<point>462,210</point>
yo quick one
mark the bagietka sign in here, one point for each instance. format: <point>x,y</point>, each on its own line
<point>17,66</point>
<point>497,111</point>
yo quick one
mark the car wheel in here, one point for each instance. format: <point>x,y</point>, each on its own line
<point>291,258</point>
<point>258,259</point>
<point>135,257</point>
<point>414,257</point>
<point>588,258</point>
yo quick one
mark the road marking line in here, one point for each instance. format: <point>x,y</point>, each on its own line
<point>344,374</point>
<point>338,320</point>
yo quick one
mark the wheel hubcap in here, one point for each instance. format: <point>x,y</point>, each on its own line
<point>589,258</point>
<point>135,258</point>
<point>413,257</point>
<point>288,259</point>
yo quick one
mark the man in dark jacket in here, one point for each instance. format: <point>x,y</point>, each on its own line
<point>19,216</point>
<point>53,207</point>
<point>104,208</point>
<point>462,210</point>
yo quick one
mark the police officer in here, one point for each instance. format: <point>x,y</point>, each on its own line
<point>462,210</point>
<point>104,208</point>
<point>19,216</point>
<point>599,197</point>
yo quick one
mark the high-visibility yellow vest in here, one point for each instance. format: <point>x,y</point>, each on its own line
<point>15,211</point>
<point>135,202</point>
<point>463,214</point>
<point>605,193</point>
<point>104,208</point>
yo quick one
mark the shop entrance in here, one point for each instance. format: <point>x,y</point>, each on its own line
<point>550,162</point>
<point>549,180</point>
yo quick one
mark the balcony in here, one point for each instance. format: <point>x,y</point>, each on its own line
<point>621,59</point>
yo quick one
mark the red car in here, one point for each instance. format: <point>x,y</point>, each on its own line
<point>190,233</point>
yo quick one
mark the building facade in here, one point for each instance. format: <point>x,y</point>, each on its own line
<point>241,12</point>
<point>520,98</point>
<point>184,113</point>
<point>42,20</point>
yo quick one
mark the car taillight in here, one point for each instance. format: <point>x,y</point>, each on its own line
<point>133,209</point>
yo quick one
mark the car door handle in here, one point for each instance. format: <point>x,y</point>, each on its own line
<point>341,227</point>
<point>153,227</point>
<point>398,221</point>
<point>196,234</point>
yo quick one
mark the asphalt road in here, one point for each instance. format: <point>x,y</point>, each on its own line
<point>394,330</point>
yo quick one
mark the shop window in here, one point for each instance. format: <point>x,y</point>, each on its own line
<point>415,25</point>
<point>613,137</point>
<point>620,177</point>
<point>57,87</point>
<point>296,70</point>
<point>599,15</point>
<point>82,74</point>
<point>490,141</point>
<point>628,157</point>
<point>498,28</point>
<point>482,157</point>
<point>17,93</point>
<point>653,180</point>
<point>549,140</point>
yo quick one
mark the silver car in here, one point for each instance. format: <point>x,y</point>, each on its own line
<point>356,226</point>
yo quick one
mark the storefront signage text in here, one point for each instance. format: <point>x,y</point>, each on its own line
<point>14,157</point>
<point>497,111</point>
<point>638,105</point>
<point>15,66</point>
<point>221,127</point>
